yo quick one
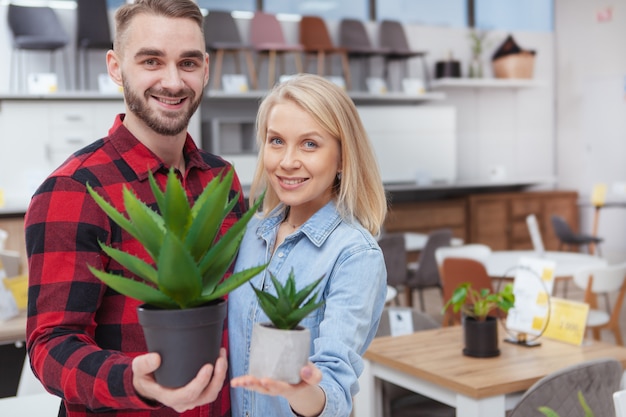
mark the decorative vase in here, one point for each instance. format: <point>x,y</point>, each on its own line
<point>481,337</point>
<point>476,68</point>
<point>186,339</point>
<point>279,354</point>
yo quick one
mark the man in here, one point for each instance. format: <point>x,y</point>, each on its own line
<point>83,338</point>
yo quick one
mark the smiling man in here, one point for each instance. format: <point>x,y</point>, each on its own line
<point>83,338</point>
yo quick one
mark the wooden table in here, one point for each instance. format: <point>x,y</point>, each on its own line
<point>13,330</point>
<point>431,363</point>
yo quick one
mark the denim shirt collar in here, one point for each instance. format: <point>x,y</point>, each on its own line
<point>317,228</point>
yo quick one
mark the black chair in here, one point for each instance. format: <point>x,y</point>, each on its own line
<point>223,37</point>
<point>35,29</point>
<point>93,32</point>
<point>568,238</point>
<point>391,35</point>
<point>353,36</point>
<point>597,380</point>
<point>426,273</point>
<point>394,252</point>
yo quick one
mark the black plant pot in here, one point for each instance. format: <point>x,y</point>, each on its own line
<point>186,339</point>
<point>481,337</point>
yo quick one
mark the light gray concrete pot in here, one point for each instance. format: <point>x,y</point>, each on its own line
<point>279,354</point>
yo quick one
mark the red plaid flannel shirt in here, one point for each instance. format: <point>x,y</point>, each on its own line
<point>82,335</point>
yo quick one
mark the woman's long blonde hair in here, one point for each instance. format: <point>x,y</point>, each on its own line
<point>359,194</point>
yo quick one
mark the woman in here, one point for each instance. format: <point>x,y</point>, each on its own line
<point>324,204</point>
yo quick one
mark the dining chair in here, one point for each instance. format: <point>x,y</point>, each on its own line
<point>619,401</point>
<point>425,274</point>
<point>268,40</point>
<point>316,41</point>
<point>391,35</point>
<point>456,271</point>
<point>596,379</point>
<point>354,37</point>
<point>93,32</point>
<point>398,401</point>
<point>223,37</point>
<point>568,238</point>
<point>476,251</point>
<point>394,252</point>
<point>35,29</point>
<point>606,281</point>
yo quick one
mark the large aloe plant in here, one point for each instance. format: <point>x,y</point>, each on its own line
<point>287,309</point>
<point>189,260</point>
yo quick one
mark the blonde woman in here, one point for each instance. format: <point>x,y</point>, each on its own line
<point>325,204</point>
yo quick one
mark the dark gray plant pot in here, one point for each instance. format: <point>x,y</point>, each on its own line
<point>186,339</point>
<point>481,337</point>
<point>279,354</point>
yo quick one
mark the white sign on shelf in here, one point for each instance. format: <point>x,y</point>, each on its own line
<point>413,86</point>
<point>43,83</point>
<point>376,85</point>
<point>107,86</point>
<point>235,83</point>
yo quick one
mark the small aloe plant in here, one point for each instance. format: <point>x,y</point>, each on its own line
<point>479,303</point>
<point>189,258</point>
<point>548,412</point>
<point>287,309</point>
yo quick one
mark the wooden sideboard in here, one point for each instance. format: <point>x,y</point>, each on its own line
<point>495,219</point>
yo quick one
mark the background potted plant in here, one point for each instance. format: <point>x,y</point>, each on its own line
<point>479,327</point>
<point>279,349</point>
<point>549,412</point>
<point>183,288</point>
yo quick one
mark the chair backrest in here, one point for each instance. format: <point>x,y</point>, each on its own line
<point>353,35</point>
<point>92,25</point>
<point>476,251</point>
<point>535,233</point>
<point>456,271</point>
<point>561,229</point>
<point>391,35</point>
<point>421,320</point>
<point>266,29</point>
<point>427,274</point>
<point>608,279</point>
<point>314,33</point>
<point>394,252</point>
<point>220,27</point>
<point>36,27</point>
<point>597,380</point>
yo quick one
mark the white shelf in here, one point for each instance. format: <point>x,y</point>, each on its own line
<point>486,83</point>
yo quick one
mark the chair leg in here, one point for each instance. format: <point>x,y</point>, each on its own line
<point>217,69</point>
<point>271,69</point>
<point>408,297</point>
<point>298,60</point>
<point>320,62</point>
<point>420,292</point>
<point>346,70</point>
<point>251,70</point>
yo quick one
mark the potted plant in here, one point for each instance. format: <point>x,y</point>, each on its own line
<point>183,288</point>
<point>279,349</point>
<point>480,328</point>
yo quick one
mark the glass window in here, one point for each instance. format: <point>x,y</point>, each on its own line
<point>425,12</point>
<point>114,4</point>
<point>512,15</point>
<point>327,9</point>
<point>239,5</point>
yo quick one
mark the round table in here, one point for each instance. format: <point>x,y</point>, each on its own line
<point>501,264</point>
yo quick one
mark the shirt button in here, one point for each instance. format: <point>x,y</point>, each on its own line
<point>281,254</point>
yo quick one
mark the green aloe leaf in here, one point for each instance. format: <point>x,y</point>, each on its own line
<point>234,281</point>
<point>134,289</point>
<point>147,222</point>
<point>548,412</point>
<point>156,190</point>
<point>112,212</point>
<point>306,291</point>
<point>134,264</point>
<point>178,274</point>
<point>175,210</point>
<point>209,217</point>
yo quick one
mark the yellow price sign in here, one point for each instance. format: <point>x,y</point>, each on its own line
<point>568,321</point>
<point>19,288</point>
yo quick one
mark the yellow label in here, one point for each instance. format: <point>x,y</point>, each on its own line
<point>567,321</point>
<point>598,195</point>
<point>1,197</point>
<point>19,288</point>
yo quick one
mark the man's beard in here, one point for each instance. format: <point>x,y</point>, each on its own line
<point>168,124</point>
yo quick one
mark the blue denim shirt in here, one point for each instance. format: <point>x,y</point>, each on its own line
<point>353,289</point>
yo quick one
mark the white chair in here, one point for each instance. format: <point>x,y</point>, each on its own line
<point>535,234</point>
<point>619,401</point>
<point>475,251</point>
<point>607,280</point>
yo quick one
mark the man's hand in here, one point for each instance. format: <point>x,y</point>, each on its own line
<point>203,389</point>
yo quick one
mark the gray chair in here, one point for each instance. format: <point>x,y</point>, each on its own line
<point>93,32</point>
<point>596,379</point>
<point>426,273</point>
<point>569,238</point>
<point>223,37</point>
<point>391,36</point>
<point>398,401</point>
<point>394,253</point>
<point>35,29</point>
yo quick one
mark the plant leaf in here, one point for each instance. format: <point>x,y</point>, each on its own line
<point>548,412</point>
<point>134,264</point>
<point>147,222</point>
<point>112,212</point>
<point>156,190</point>
<point>178,274</point>
<point>234,281</point>
<point>134,289</point>
<point>175,211</point>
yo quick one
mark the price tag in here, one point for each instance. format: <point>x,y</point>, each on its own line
<point>568,320</point>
